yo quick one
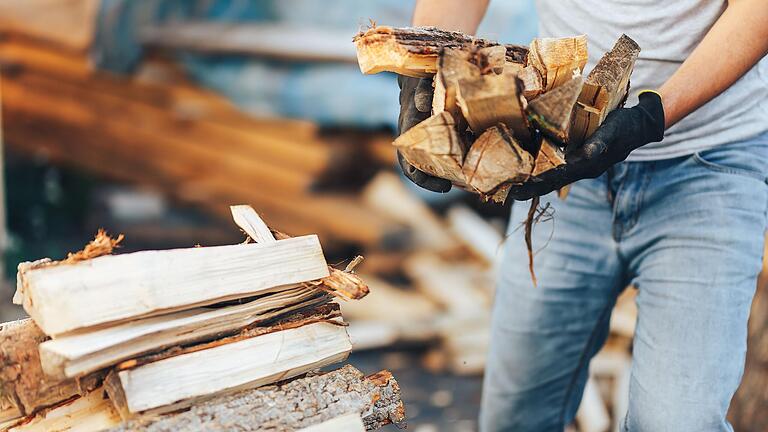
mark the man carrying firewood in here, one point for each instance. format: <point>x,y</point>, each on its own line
<point>670,196</point>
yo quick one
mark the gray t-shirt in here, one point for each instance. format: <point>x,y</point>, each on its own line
<point>667,32</point>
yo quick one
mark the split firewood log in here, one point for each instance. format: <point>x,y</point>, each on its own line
<point>434,146</point>
<point>551,112</point>
<point>556,58</point>
<point>496,158</point>
<point>605,89</point>
<point>414,51</point>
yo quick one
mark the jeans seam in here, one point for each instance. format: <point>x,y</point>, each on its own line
<point>726,170</point>
<point>582,360</point>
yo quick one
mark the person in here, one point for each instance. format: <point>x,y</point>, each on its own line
<point>670,196</point>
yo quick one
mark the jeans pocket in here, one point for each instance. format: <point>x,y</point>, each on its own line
<point>738,161</point>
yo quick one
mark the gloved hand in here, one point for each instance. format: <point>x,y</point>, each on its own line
<point>415,106</point>
<point>623,130</point>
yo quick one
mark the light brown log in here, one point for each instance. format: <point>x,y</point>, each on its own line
<point>605,89</point>
<point>90,413</point>
<point>22,381</point>
<point>496,158</point>
<point>556,59</point>
<point>414,51</point>
<point>551,112</point>
<point>531,80</point>
<point>434,147</point>
<point>289,406</point>
<point>256,356</point>
<point>550,156</point>
<point>68,24</point>
<point>452,65</point>
<point>491,99</point>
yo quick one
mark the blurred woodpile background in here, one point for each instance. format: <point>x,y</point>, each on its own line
<point>159,133</point>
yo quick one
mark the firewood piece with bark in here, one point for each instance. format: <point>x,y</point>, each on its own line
<point>89,413</point>
<point>255,357</point>
<point>556,59</point>
<point>549,156</point>
<point>551,112</point>
<point>22,381</point>
<point>288,406</point>
<point>79,353</point>
<point>605,89</point>
<point>496,158</point>
<point>434,146</point>
<point>452,65</point>
<point>154,282</point>
<point>490,99</point>
<point>414,51</point>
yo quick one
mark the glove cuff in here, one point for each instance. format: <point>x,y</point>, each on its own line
<point>653,114</point>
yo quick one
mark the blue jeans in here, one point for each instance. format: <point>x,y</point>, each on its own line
<point>688,233</point>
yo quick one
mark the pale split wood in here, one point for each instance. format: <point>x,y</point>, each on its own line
<point>288,406</point>
<point>89,413</point>
<point>452,65</point>
<point>556,59</point>
<point>434,146</point>
<point>490,99</point>
<point>79,353</point>
<point>496,158</point>
<point>605,88</point>
<point>532,85</point>
<point>414,51</point>
<point>247,363</point>
<point>387,194</point>
<point>152,282</point>
<point>346,423</point>
<point>551,112</point>
<point>343,284</point>
<point>550,156</point>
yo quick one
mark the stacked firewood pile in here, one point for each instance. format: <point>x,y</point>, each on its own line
<point>126,341</point>
<point>501,114</point>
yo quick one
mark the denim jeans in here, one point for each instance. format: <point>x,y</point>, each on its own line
<point>688,233</point>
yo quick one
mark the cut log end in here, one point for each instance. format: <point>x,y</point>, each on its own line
<point>496,158</point>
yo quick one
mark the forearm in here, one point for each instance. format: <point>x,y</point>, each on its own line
<point>457,15</point>
<point>737,41</point>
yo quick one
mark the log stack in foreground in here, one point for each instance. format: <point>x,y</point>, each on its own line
<point>501,114</point>
<point>157,332</point>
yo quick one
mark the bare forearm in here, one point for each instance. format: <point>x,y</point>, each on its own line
<point>457,15</point>
<point>737,41</point>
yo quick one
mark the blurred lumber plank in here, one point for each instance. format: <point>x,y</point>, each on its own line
<point>275,40</point>
<point>289,406</point>
<point>69,24</point>
<point>182,140</point>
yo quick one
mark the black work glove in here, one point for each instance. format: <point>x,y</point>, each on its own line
<point>623,130</point>
<point>415,106</point>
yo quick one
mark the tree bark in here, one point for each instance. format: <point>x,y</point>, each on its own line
<point>289,406</point>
